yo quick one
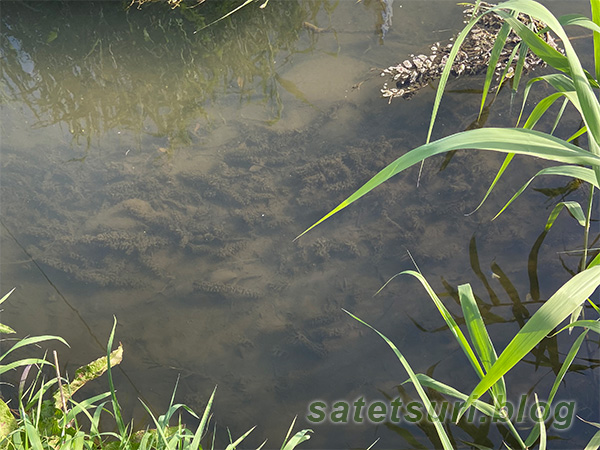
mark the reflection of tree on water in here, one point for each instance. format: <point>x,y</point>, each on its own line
<point>141,70</point>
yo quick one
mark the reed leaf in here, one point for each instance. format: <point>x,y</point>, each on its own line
<point>533,435</point>
<point>518,141</point>
<point>593,325</point>
<point>442,388</point>
<point>595,5</point>
<point>581,173</point>
<point>113,393</point>
<point>541,425</point>
<point>480,338</point>
<point>573,207</point>
<point>448,67</point>
<point>447,445</point>
<point>452,325</point>
<point>494,57</point>
<point>572,294</point>
<point>594,442</point>
<point>582,80</point>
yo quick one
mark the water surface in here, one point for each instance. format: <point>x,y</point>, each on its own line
<point>159,174</point>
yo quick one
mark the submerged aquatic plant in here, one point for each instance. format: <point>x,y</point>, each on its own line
<point>577,87</point>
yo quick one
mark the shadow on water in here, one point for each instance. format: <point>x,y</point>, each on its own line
<point>160,174</point>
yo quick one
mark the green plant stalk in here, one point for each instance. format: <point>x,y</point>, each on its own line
<point>586,233</point>
<point>113,393</point>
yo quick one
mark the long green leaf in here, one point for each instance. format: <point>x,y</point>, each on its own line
<point>540,109</point>
<point>233,445</point>
<point>587,98</point>
<point>485,408</point>
<point>581,173</point>
<point>480,338</point>
<point>594,442</point>
<point>448,68</point>
<point>113,393</point>
<point>297,439</point>
<point>540,424</point>
<point>494,56</point>
<point>573,207</point>
<point>507,159</point>
<point>442,388</point>
<point>32,340</point>
<point>593,325</point>
<point>203,422</point>
<point>561,374</point>
<point>2,300</point>
<point>452,325</point>
<point>518,141</point>
<point>595,5</point>
<point>550,315</point>
<point>424,398</point>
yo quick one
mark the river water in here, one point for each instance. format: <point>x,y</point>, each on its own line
<point>158,172</point>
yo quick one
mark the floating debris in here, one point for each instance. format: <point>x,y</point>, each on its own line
<point>415,73</point>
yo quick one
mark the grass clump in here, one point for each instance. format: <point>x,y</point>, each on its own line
<point>49,418</point>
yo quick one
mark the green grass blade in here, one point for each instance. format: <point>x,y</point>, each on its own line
<point>580,21</point>
<point>507,159</point>
<point>289,432</point>
<point>581,173</point>
<point>595,261</point>
<point>203,422</point>
<point>452,325</point>
<point>447,69</point>
<point>33,435</point>
<point>523,49</point>
<point>83,407</point>
<point>587,98</point>
<point>573,207</point>
<point>442,388</point>
<point>595,5</point>
<point>541,425</point>
<point>5,329</point>
<point>159,428</point>
<point>297,439</point>
<point>593,325</point>
<point>509,62</point>
<point>424,398</point>
<point>572,294</point>
<point>480,338</point>
<point>32,340</point>
<point>113,393</point>
<point>594,442</point>
<point>21,363</point>
<point>494,57</point>
<point>233,445</point>
<point>540,47</point>
<point>3,299</point>
<point>578,133</point>
<point>561,374</point>
<point>540,109</point>
<point>518,141</point>
<point>560,114</point>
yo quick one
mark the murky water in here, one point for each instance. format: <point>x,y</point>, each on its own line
<point>159,175</point>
